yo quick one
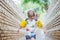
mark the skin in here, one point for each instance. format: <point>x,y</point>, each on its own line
<point>32,39</point>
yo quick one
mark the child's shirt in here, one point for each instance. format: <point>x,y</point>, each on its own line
<point>31,26</point>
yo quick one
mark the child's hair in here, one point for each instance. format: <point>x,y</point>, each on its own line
<point>29,15</point>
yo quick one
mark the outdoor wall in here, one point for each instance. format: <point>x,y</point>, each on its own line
<point>9,21</point>
<point>53,21</point>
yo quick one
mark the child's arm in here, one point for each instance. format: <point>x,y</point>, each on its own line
<point>39,24</point>
<point>22,27</point>
<point>19,29</point>
<point>44,30</point>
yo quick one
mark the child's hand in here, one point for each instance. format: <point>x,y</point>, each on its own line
<point>44,32</point>
<point>27,29</point>
<point>18,31</point>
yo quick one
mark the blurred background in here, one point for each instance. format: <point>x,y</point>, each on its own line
<point>12,12</point>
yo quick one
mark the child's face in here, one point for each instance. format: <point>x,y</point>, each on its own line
<point>32,17</point>
<point>31,14</point>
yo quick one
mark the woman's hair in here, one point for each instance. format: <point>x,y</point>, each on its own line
<point>30,14</point>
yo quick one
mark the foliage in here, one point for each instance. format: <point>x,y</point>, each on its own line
<point>42,4</point>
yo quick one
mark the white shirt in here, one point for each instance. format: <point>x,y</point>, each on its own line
<point>31,26</point>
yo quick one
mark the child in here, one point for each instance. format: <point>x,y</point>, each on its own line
<point>30,24</point>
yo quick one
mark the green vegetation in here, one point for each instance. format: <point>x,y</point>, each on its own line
<point>39,6</point>
<point>42,4</point>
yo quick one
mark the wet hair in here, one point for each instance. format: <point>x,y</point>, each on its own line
<point>30,15</point>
